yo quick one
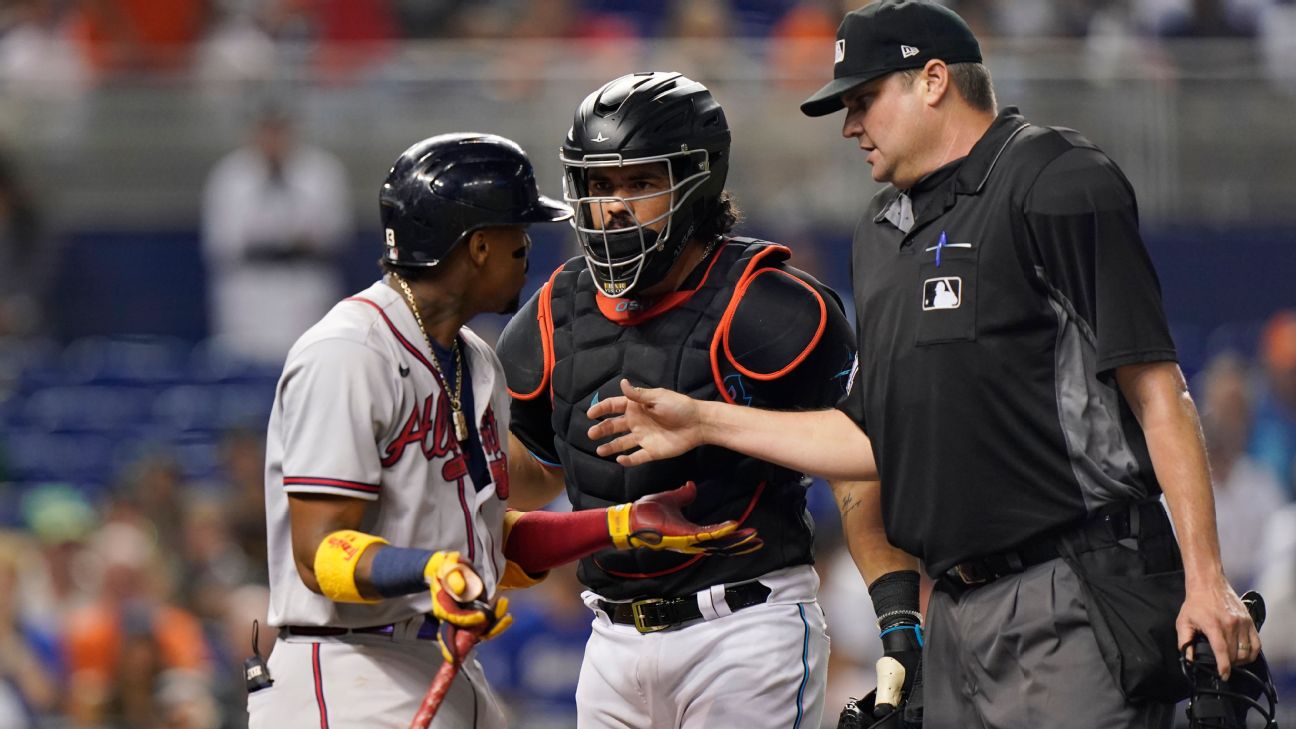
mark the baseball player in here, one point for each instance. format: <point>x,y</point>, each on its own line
<point>664,295</point>
<point>386,470</point>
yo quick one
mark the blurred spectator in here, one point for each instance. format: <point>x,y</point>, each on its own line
<point>648,19</point>
<point>276,215</point>
<point>354,36</point>
<point>38,55</point>
<point>124,36</point>
<point>1210,19</point>
<point>60,519</point>
<point>28,657</point>
<point>27,259</point>
<point>800,43</point>
<point>1278,585</point>
<point>1245,492</point>
<point>215,569</point>
<point>705,27</point>
<point>150,493</point>
<point>1276,27</point>
<point>242,453</point>
<point>184,701</point>
<point>120,646</point>
<point>429,18</point>
<point>213,563</point>
<point>236,48</point>
<point>1273,439</point>
<point>1025,18</point>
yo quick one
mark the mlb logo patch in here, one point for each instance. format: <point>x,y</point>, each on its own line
<point>839,51</point>
<point>945,292</point>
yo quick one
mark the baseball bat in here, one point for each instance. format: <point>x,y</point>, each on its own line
<point>891,675</point>
<point>445,676</point>
<point>465,586</point>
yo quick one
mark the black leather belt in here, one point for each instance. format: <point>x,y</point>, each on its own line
<point>652,614</point>
<point>1108,525</point>
<point>426,631</point>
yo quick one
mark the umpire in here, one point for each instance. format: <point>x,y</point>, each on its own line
<point>1018,384</point>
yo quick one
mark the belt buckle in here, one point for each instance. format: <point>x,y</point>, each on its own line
<point>636,609</point>
<point>967,574</point>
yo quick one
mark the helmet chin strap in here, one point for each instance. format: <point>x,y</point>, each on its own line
<point>652,268</point>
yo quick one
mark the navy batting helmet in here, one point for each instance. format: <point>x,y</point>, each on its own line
<point>645,118</point>
<point>445,187</point>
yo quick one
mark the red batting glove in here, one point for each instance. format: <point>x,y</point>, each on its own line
<point>656,522</point>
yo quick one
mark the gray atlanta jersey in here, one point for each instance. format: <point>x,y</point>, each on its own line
<point>359,412</point>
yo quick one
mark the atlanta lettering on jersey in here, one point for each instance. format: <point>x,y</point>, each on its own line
<point>434,437</point>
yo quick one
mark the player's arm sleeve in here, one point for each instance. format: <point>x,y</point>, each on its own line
<point>852,403</point>
<point>1083,222</point>
<point>790,340</point>
<point>526,355</point>
<point>336,398</point>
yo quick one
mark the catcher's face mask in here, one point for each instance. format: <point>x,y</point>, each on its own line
<point>632,215</point>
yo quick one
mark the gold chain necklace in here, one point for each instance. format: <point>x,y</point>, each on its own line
<point>456,409</point>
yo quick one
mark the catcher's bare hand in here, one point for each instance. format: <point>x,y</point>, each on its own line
<point>660,423</point>
<point>656,522</point>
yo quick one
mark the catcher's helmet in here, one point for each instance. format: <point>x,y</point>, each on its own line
<point>1220,704</point>
<point>858,714</point>
<point>443,188</point>
<point>645,118</point>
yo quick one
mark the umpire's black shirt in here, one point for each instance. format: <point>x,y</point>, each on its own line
<point>993,307</point>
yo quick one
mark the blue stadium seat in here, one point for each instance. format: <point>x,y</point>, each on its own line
<point>85,407</point>
<point>36,455</point>
<point>186,407</point>
<point>209,362</point>
<point>128,360</point>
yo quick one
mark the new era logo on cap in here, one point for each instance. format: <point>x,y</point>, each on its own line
<point>907,51</point>
<point>839,52</point>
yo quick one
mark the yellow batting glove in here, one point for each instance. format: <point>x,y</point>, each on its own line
<point>455,585</point>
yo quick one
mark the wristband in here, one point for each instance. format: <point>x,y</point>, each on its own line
<point>335,564</point>
<point>895,598</point>
<point>917,630</point>
<point>397,571</point>
<point>618,518</point>
<point>889,618</point>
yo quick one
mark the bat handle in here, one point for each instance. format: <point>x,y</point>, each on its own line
<point>891,676</point>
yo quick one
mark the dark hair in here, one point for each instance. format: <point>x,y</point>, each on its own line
<point>972,81</point>
<point>724,216</point>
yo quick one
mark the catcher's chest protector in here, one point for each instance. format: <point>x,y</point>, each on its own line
<point>674,344</point>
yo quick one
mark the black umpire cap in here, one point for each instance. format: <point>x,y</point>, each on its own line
<point>892,35</point>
